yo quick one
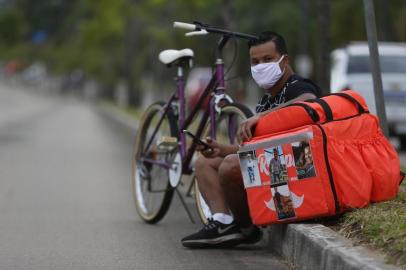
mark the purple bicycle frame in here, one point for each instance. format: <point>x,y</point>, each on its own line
<point>215,85</point>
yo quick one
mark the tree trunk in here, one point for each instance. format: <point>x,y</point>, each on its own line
<point>385,22</point>
<point>234,86</point>
<point>228,11</point>
<point>304,29</point>
<point>130,44</point>
<point>323,59</point>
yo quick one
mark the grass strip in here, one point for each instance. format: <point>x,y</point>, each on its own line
<point>380,226</point>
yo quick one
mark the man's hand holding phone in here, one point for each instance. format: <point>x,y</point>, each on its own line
<point>209,147</point>
<point>213,151</point>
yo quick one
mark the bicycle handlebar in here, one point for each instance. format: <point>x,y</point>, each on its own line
<point>182,25</point>
<point>202,28</point>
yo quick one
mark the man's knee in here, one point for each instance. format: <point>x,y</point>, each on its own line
<point>230,169</point>
<point>201,163</point>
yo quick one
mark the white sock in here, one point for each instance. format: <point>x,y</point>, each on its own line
<point>223,218</point>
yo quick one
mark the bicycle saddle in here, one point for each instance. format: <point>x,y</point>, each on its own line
<point>170,56</point>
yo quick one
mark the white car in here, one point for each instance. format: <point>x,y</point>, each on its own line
<point>351,70</point>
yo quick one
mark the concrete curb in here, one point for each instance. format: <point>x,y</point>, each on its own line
<point>314,247</point>
<point>306,246</point>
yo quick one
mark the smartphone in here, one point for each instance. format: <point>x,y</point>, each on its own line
<point>196,139</point>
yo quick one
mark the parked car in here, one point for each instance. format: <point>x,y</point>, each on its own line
<point>351,69</point>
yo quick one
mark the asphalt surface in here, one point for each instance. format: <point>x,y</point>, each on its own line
<point>65,197</point>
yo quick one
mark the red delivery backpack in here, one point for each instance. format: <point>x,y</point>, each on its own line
<point>317,158</point>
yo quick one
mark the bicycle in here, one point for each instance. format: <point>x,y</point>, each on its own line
<point>161,154</point>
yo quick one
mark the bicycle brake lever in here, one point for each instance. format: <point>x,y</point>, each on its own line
<point>197,33</point>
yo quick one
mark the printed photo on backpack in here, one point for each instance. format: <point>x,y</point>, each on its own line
<point>277,165</point>
<point>249,169</point>
<point>303,160</point>
<point>282,202</point>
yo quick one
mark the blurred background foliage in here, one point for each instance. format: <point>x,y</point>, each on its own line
<point>113,41</point>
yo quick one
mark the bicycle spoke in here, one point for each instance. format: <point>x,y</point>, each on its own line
<point>151,190</point>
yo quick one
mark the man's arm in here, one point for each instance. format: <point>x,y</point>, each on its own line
<point>302,97</point>
<point>245,130</point>
<point>217,149</point>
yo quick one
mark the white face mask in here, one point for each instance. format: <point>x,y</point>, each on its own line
<point>267,74</point>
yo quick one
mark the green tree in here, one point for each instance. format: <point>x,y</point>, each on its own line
<point>12,26</point>
<point>111,40</point>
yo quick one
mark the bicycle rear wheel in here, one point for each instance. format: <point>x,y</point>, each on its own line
<point>151,189</point>
<point>227,123</point>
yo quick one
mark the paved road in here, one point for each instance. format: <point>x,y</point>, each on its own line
<point>65,200</point>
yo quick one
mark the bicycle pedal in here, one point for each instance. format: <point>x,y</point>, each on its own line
<point>167,143</point>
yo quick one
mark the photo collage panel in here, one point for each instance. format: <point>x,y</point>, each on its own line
<point>275,167</point>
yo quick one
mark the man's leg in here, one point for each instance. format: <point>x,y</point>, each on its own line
<point>273,179</point>
<point>277,177</point>
<point>209,183</point>
<point>233,188</point>
<point>221,231</point>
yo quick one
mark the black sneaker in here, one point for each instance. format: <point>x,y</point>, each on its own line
<point>252,235</point>
<point>214,234</point>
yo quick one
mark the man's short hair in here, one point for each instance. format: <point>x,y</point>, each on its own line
<point>267,36</point>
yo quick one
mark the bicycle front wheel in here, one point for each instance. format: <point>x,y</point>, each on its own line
<point>151,189</point>
<point>227,123</point>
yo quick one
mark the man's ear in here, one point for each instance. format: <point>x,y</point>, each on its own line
<point>287,59</point>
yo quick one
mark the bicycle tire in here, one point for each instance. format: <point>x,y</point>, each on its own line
<point>168,127</point>
<point>228,110</point>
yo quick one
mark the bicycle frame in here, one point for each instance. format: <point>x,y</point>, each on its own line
<point>216,86</point>
<point>178,152</point>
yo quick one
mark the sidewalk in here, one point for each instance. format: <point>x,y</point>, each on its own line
<point>306,246</point>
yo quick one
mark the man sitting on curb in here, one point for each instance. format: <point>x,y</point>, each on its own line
<point>217,170</point>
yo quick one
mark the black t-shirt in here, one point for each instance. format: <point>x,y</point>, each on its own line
<point>294,87</point>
